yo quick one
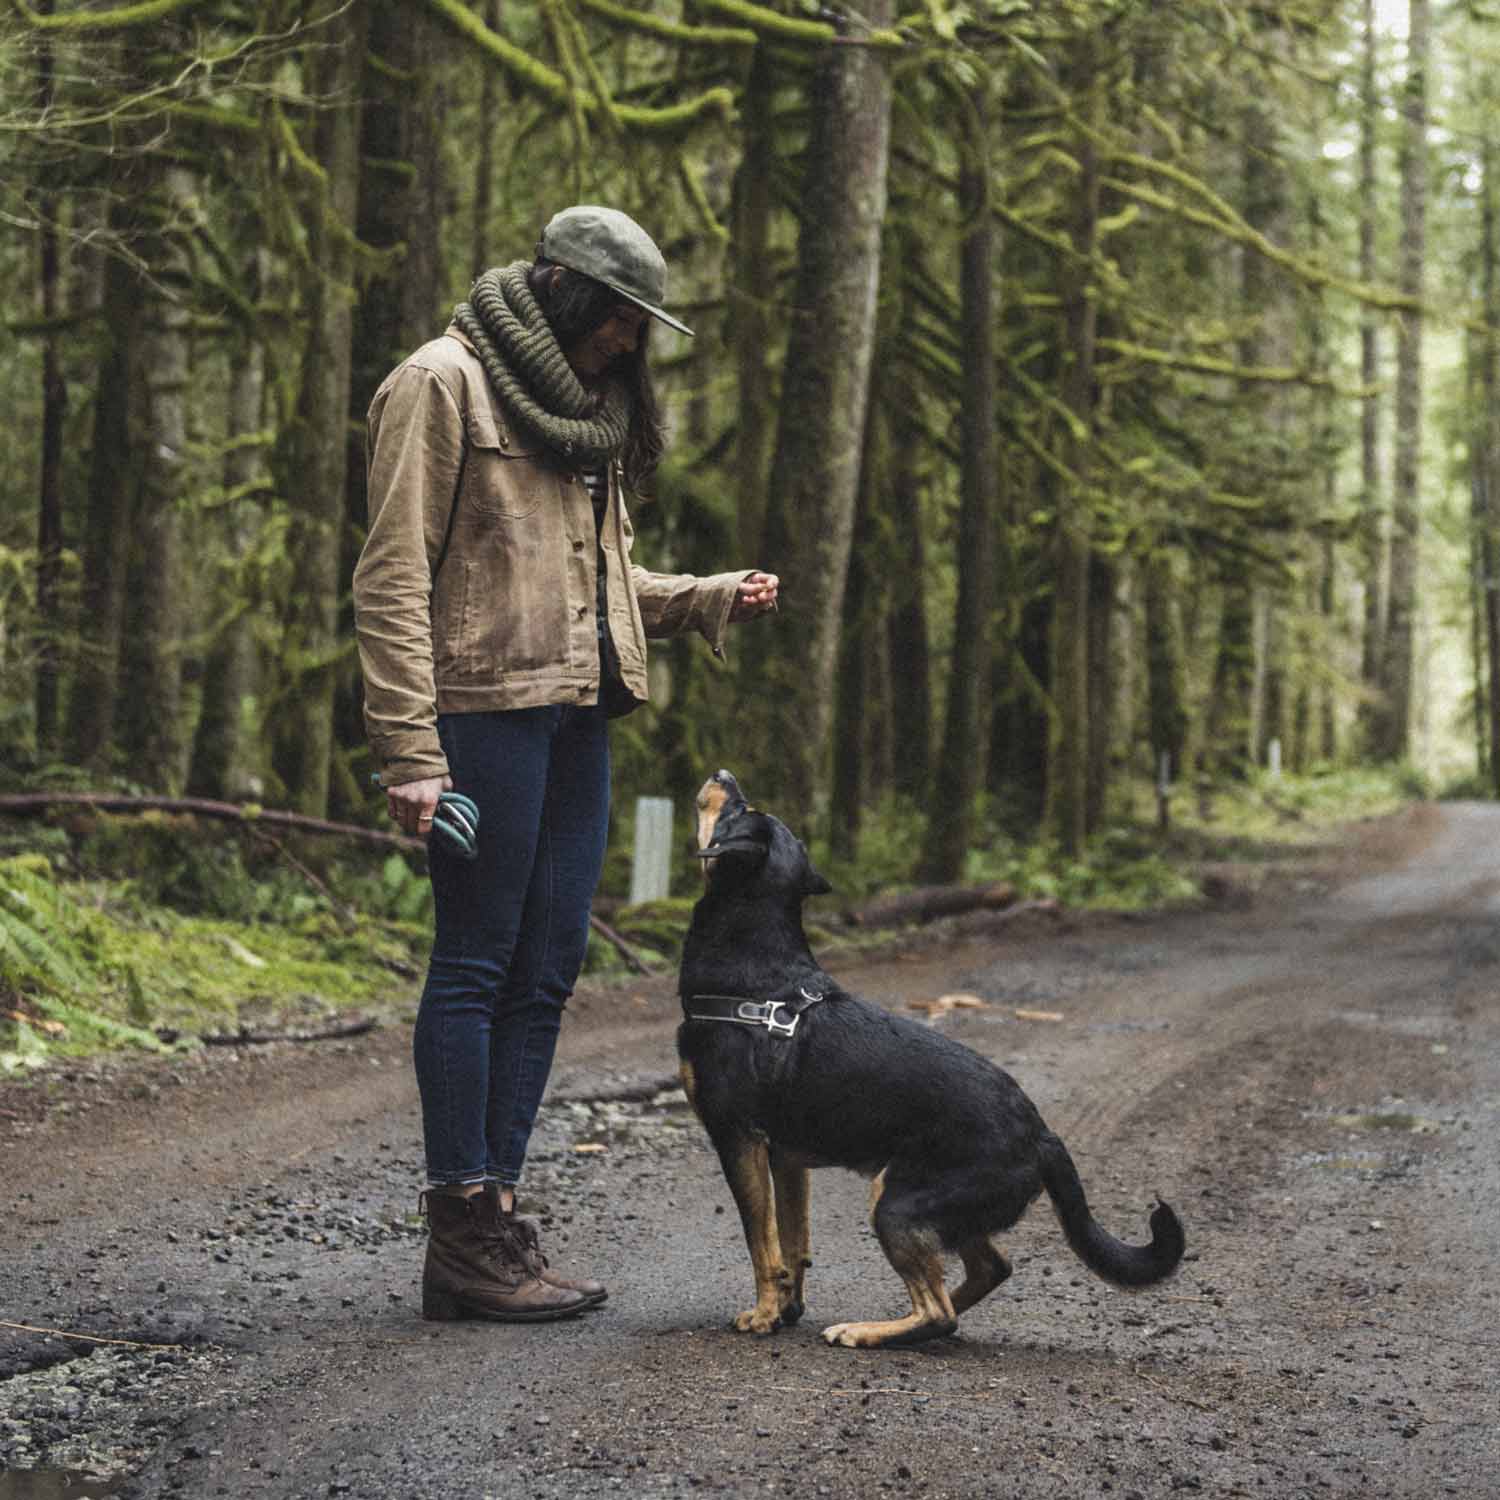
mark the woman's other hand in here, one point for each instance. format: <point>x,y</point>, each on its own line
<point>413,803</point>
<point>756,596</point>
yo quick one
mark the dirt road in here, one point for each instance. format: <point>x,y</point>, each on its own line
<point>1313,1080</point>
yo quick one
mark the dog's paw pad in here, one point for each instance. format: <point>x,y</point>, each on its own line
<point>841,1334</point>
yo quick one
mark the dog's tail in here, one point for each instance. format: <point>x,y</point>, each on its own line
<point>1100,1251</point>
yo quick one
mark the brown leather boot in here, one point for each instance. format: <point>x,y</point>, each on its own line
<point>478,1265</point>
<point>593,1292</point>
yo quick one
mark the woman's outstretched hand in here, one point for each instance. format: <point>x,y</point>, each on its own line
<point>756,596</point>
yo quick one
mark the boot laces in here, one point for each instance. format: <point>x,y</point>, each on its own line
<point>529,1241</point>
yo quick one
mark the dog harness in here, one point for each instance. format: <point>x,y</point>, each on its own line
<point>743,1012</point>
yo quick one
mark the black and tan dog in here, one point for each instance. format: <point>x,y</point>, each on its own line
<point>787,1071</point>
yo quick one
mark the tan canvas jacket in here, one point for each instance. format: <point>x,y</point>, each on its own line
<point>476,586</point>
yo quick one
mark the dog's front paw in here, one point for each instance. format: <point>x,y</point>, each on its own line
<point>758,1319</point>
<point>845,1334</point>
<point>791,1313</point>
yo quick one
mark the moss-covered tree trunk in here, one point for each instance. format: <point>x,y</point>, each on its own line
<point>1068,750</point>
<point>820,438</point>
<point>49,532</point>
<point>1484,460</point>
<point>320,438</point>
<point>752,306</point>
<point>1398,666</point>
<point>109,518</point>
<point>1372,553</point>
<point>229,757</point>
<point>403,300</point>
<point>1166,692</point>
<point>158,736</point>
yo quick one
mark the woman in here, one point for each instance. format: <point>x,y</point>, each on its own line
<point>500,624</point>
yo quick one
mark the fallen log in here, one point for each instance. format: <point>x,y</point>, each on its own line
<point>927,903</point>
<point>246,1036</point>
<point>250,814</point>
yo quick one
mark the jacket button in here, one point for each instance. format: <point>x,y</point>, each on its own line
<point>578,544</point>
<point>583,609</point>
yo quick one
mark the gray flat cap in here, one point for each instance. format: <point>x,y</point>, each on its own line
<point>612,248</point>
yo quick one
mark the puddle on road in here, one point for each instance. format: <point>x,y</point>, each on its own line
<point>1392,1123</point>
<point>1395,1120</point>
<point>53,1484</point>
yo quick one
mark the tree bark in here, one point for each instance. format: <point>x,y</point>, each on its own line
<point>825,385</point>
<point>400,206</point>
<point>49,532</point>
<point>110,520</point>
<point>1372,554</point>
<point>1485,460</point>
<point>908,645</point>
<point>230,756</point>
<point>752,305</point>
<point>1393,740</point>
<point>963,755</point>
<point>1068,760</point>
<point>484,154</point>
<point>158,741</point>
<point>320,438</point>
<point>1166,695</point>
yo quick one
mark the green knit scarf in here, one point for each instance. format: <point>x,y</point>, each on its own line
<point>530,376</point>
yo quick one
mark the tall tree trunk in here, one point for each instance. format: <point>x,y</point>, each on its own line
<point>400,210</point>
<point>230,755</point>
<point>1103,681</point>
<point>850,793</point>
<point>963,755</point>
<point>752,300</point>
<point>1166,695</point>
<point>486,125</point>
<point>49,531</point>
<point>1372,511</point>
<point>158,740</point>
<point>1485,457</point>
<point>1399,662</point>
<point>908,646</point>
<point>320,438</point>
<point>110,520</point>
<point>1067,761</point>
<point>824,401</point>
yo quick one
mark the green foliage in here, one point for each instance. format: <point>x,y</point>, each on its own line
<point>52,971</point>
<point>159,928</point>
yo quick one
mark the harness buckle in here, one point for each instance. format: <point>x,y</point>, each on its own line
<point>781,1028</point>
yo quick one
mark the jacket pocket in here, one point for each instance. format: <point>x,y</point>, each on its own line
<point>504,475</point>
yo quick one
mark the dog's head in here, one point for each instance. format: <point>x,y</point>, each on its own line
<point>741,846</point>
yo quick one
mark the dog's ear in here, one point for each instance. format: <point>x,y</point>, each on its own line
<point>814,884</point>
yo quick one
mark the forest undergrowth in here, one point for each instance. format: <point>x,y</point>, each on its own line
<point>164,932</point>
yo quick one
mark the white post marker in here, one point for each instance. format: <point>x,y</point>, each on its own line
<point>651,867</point>
<point>1273,756</point>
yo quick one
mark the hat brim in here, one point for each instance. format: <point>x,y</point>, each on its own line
<point>656,312</point>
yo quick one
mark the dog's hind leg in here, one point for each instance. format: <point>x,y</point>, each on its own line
<point>985,1268</point>
<point>793,1190</point>
<point>913,1249</point>
<point>746,1166</point>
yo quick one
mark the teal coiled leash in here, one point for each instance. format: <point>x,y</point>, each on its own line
<point>456,819</point>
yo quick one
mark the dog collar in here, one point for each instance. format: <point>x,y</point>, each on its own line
<point>743,1012</point>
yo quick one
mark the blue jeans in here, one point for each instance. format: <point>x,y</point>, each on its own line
<point>511,930</point>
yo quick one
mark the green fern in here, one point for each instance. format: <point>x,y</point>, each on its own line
<point>34,928</point>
